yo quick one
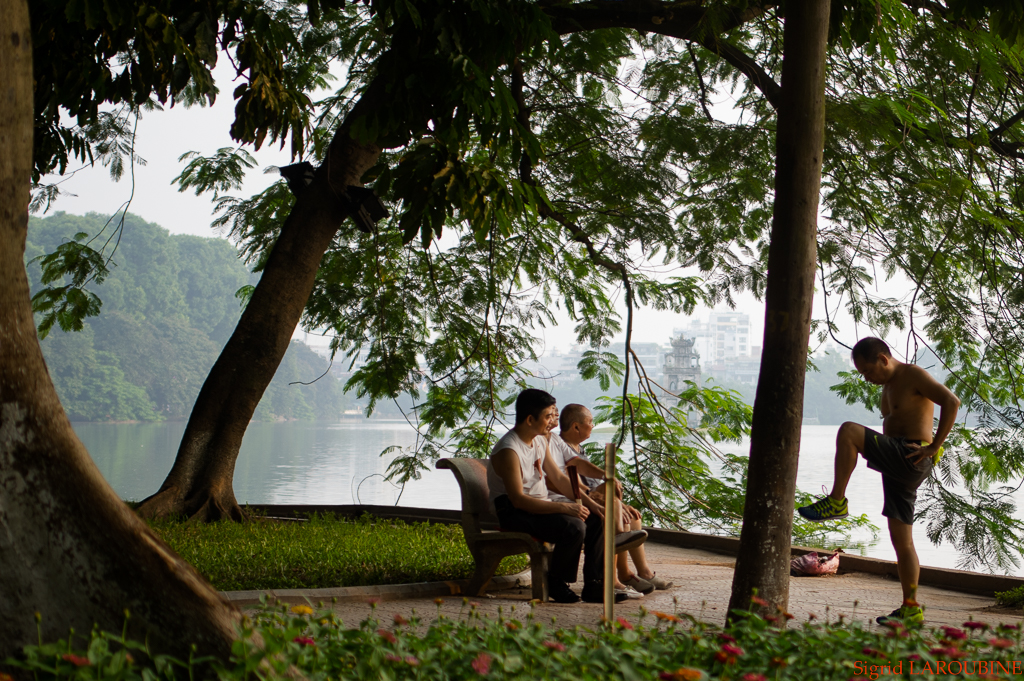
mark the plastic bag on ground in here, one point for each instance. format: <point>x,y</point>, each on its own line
<point>813,564</point>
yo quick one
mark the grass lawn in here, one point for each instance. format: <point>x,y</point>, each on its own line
<point>324,551</point>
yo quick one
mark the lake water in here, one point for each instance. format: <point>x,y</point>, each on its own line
<point>340,463</point>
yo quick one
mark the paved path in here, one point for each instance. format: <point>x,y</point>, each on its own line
<point>702,584</point>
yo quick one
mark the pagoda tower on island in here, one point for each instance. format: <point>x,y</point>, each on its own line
<point>682,364</point>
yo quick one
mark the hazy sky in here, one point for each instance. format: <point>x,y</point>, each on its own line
<point>163,136</point>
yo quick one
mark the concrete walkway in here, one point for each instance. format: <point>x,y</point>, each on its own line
<point>702,585</point>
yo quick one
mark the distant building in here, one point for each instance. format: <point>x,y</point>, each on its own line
<point>681,364</point>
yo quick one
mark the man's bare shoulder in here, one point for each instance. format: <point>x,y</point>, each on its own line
<point>910,375</point>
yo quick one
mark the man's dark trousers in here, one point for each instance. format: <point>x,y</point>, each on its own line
<point>567,533</point>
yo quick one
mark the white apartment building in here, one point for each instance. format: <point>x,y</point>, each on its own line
<point>726,335</point>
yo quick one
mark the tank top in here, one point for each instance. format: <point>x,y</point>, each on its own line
<point>531,461</point>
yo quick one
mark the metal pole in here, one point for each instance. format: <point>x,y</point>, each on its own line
<point>609,531</point>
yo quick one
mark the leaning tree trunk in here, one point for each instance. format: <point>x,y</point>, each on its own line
<point>764,553</point>
<point>70,550</point>
<point>200,482</point>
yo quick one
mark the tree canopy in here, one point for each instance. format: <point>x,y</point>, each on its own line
<point>554,160</point>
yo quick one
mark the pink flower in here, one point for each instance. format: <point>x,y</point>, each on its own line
<point>751,676</point>
<point>1000,643</point>
<point>913,656</point>
<point>76,660</point>
<point>482,664</point>
<point>412,661</point>
<point>1009,627</point>
<point>872,652</point>
<point>373,600</point>
<point>399,620</point>
<point>387,635</point>
<point>391,657</point>
<point>948,651</point>
<point>954,634</point>
<point>304,641</point>
<point>624,624</point>
<point>975,626</point>
<point>732,650</point>
<point>757,600</point>
<point>554,645</point>
<point>727,638</point>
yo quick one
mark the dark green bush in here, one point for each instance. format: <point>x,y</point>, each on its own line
<point>1013,598</point>
<point>323,551</point>
<point>516,645</point>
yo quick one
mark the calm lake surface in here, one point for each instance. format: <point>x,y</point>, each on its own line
<point>340,463</point>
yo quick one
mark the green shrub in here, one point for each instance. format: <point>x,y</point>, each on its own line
<point>1013,598</point>
<point>658,646</point>
<point>323,551</point>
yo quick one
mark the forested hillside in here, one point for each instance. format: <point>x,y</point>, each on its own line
<point>168,307</point>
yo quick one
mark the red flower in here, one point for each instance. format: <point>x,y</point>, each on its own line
<point>727,638</point>
<point>399,620</point>
<point>975,626</point>
<point>391,657</point>
<point>751,676</point>
<point>1000,643</point>
<point>954,634</point>
<point>623,623</point>
<point>735,651</point>
<point>913,656</point>
<point>304,641</point>
<point>757,600</point>
<point>387,636</point>
<point>789,615</point>
<point>554,645</point>
<point>373,600</point>
<point>512,625</point>
<point>76,660</point>
<point>872,652</point>
<point>482,664</point>
<point>948,651</point>
<point>1009,627</point>
<point>771,618</point>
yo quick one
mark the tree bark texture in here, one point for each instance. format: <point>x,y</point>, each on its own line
<point>764,554</point>
<point>70,550</point>
<point>199,484</point>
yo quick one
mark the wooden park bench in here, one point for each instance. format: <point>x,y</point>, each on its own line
<point>487,543</point>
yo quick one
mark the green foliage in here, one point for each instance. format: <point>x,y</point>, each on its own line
<point>673,471</point>
<point>323,551</point>
<point>169,308</point>
<point>516,645</point>
<point>1014,598</point>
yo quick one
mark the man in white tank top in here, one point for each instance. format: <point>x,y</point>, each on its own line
<point>522,461</point>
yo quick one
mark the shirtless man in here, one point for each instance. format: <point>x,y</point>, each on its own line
<point>904,453</point>
<point>576,424</point>
<point>523,462</point>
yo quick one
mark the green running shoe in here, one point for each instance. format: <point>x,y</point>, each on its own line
<point>905,614</point>
<point>824,509</point>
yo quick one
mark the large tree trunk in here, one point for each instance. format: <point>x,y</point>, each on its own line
<point>70,550</point>
<point>200,482</point>
<point>764,554</point>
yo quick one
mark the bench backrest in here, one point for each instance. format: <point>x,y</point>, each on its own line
<point>476,481</point>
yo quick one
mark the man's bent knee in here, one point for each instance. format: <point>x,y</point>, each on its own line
<point>852,433</point>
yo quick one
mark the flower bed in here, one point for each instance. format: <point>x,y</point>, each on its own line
<point>662,646</point>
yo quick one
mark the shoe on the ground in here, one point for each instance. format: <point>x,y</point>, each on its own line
<point>560,592</point>
<point>594,593</point>
<point>624,541</point>
<point>640,585</point>
<point>631,593</point>
<point>905,614</point>
<point>824,509</point>
<point>659,583</point>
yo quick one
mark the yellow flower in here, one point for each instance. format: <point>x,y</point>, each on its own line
<point>302,610</point>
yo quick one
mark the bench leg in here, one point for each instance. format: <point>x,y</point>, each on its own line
<point>486,565</point>
<point>539,575</point>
